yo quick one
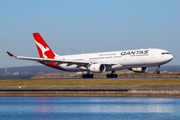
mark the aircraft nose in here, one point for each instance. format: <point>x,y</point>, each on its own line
<point>170,57</point>
<point>167,58</point>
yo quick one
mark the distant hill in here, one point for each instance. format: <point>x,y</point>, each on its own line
<point>38,70</point>
<point>27,70</point>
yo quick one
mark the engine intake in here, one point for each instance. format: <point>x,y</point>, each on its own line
<point>139,70</point>
<point>98,68</point>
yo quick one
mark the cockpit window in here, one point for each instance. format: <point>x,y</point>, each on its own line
<point>164,53</point>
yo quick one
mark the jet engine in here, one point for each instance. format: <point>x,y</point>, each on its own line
<point>139,70</point>
<point>98,68</point>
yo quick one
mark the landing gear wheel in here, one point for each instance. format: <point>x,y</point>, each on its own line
<point>108,76</point>
<point>111,75</point>
<point>91,75</point>
<point>87,76</point>
<point>84,76</point>
<point>157,72</point>
<point>157,69</point>
<point>115,75</point>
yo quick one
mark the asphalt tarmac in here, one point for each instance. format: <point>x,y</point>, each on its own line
<point>95,78</point>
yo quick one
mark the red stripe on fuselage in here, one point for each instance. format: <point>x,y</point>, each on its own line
<point>53,65</point>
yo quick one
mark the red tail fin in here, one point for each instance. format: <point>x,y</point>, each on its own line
<point>43,49</point>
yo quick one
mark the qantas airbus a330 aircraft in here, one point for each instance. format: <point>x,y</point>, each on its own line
<point>134,60</point>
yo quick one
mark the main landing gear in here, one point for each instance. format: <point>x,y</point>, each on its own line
<point>87,75</point>
<point>157,70</point>
<point>112,75</point>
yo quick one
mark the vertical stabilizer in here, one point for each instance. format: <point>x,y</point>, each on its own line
<point>42,47</point>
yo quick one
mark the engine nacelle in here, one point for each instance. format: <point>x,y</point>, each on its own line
<point>98,68</point>
<point>139,70</point>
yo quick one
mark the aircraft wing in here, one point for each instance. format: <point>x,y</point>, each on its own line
<point>58,61</point>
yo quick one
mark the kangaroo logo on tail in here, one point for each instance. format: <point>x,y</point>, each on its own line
<point>43,48</point>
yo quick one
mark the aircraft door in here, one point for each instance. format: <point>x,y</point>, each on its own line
<point>152,56</point>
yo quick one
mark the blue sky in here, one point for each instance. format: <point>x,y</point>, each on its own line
<point>81,26</point>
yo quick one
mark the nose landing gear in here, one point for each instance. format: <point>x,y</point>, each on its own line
<point>112,75</point>
<point>157,70</point>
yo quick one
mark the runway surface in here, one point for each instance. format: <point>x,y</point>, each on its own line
<point>95,78</point>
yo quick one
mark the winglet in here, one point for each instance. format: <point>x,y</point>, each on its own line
<point>10,54</point>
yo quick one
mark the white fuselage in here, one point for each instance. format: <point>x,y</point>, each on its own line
<point>118,60</point>
<point>134,60</point>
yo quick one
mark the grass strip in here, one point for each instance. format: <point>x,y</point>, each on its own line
<point>90,82</point>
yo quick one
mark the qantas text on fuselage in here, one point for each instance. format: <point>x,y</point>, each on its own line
<point>135,60</point>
